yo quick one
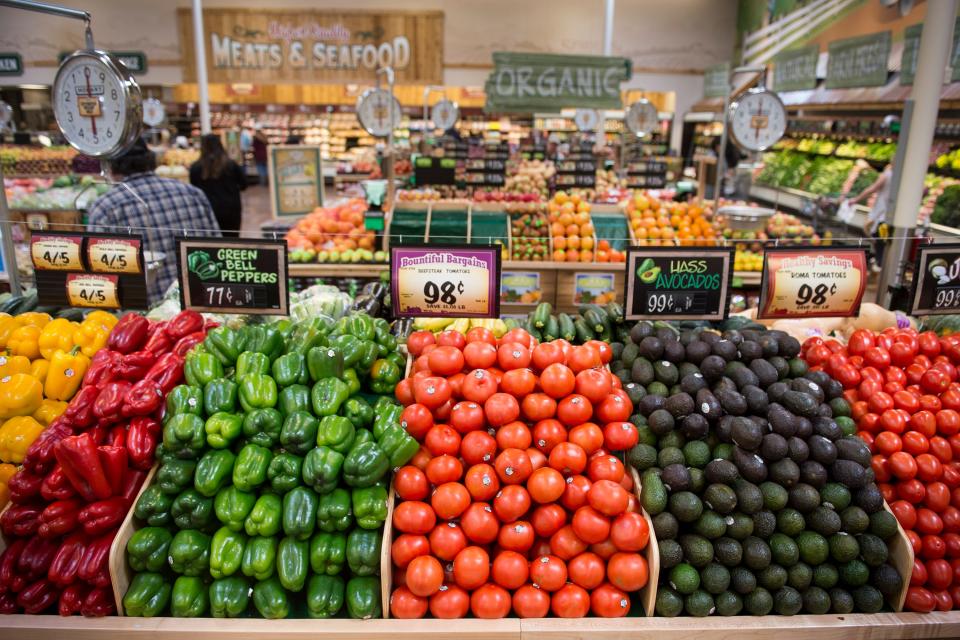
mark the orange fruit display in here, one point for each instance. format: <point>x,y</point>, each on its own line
<point>655,222</point>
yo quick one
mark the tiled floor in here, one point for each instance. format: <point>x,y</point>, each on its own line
<point>256,209</point>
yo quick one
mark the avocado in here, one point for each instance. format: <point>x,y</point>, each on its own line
<point>824,521</point>
<point>641,456</point>
<point>822,450</point>
<point>765,372</point>
<point>840,408</point>
<point>750,465</point>
<point>756,553</point>
<point>773,447</point>
<point>803,497</point>
<point>660,421</point>
<point>740,527</point>
<point>665,526</point>
<point>825,576</point>
<point>799,576</point>
<point>757,402</point>
<point>651,348</point>
<point>666,372</point>
<point>855,573</point>
<point>855,520</point>
<point>721,498</point>
<point>790,522</point>
<point>808,386</point>
<point>828,428</point>
<point>744,377</point>
<point>883,524</point>
<point>684,578</point>
<point>641,371</point>
<point>784,550</point>
<point>653,495</point>
<point>776,391</point>
<point>887,581</point>
<point>679,405</point>
<point>696,351</point>
<point>675,477</point>
<point>848,472</point>
<point>742,580</point>
<point>797,449</point>
<point>787,601</point>
<point>840,601</point>
<point>799,403</point>
<point>640,331</point>
<point>804,427</point>
<point>649,276</point>
<point>853,448</point>
<point>697,550</point>
<point>694,426</point>
<point>749,497</point>
<point>785,472</point>
<point>758,603</point>
<point>699,604</point>
<point>814,549</point>
<point>712,367</point>
<point>725,349</point>
<point>813,473</point>
<point>782,422</point>
<point>670,554</point>
<point>872,549</point>
<point>774,496</point>
<point>869,498</point>
<point>669,455</point>
<point>673,351</point>
<point>843,547</point>
<point>789,346</point>
<point>728,551</point>
<point>867,599</point>
<point>646,265</point>
<point>817,602</point>
<point>745,433</point>
<point>686,506</point>
<point>750,351</point>
<point>708,405</point>
<point>836,495</point>
<point>723,451</point>
<point>728,603</point>
<point>764,524</point>
<point>669,603</point>
<point>732,402</point>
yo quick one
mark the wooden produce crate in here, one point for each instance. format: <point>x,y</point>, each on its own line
<point>120,572</point>
<point>648,594</point>
<point>901,557</point>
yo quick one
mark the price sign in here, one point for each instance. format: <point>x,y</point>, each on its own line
<point>436,281</point>
<point>56,252</point>
<point>233,275</point>
<point>936,281</point>
<point>520,287</point>
<point>677,284</point>
<point>114,255</point>
<point>812,282</point>
<point>89,290</point>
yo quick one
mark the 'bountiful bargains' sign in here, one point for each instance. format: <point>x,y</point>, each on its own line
<point>525,82</point>
<point>315,46</point>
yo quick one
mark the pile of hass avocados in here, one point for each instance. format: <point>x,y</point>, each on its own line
<point>762,498</point>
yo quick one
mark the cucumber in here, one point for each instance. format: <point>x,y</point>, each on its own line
<point>10,304</point>
<point>595,320</point>
<point>552,330</point>
<point>584,333</point>
<point>29,302</point>
<point>614,312</point>
<point>541,314</point>
<point>511,323</point>
<point>567,331</point>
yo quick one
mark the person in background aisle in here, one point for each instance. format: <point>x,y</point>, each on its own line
<point>159,209</point>
<point>876,224</point>
<point>260,154</point>
<point>221,180</point>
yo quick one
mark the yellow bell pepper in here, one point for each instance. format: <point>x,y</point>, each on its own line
<point>8,324</point>
<point>10,365</point>
<point>91,336</point>
<point>39,369</point>
<point>34,319</point>
<point>16,435</point>
<point>66,372</point>
<point>25,342</point>
<point>102,317</point>
<point>57,335</point>
<point>6,472</point>
<point>20,395</point>
<point>49,411</point>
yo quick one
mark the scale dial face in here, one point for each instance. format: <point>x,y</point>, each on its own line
<point>96,103</point>
<point>642,118</point>
<point>586,119</point>
<point>445,114</point>
<point>153,112</point>
<point>757,120</point>
<point>378,112</point>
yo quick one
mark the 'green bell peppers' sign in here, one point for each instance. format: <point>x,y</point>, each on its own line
<point>858,62</point>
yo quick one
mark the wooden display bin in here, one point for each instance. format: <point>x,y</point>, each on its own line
<point>120,572</point>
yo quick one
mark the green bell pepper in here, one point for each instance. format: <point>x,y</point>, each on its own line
<point>363,435</point>
<point>190,510</point>
<point>270,599</point>
<point>290,369</point>
<point>147,596</point>
<point>381,330</point>
<point>183,436</point>
<point>189,598</point>
<point>363,598</point>
<point>293,561</point>
<point>399,445</point>
<point>259,557</point>
<point>364,465</point>
<point>369,351</point>
<point>153,506</point>
<point>384,376</point>
<point>161,455</point>
<point>294,398</point>
<point>321,469</point>
<point>264,518</point>
<point>232,507</point>
<point>361,326</point>
<point>190,553</point>
<point>324,362</point>
<point>200,367</point>
<point>327,395</point>
<point>147,549</point>
<point>386,416</point>
<point>337,433</point>
<point>257,392</point>
<point>220,395</point>
<point>325,596</point>
<point>222,429</point>
<point>226,552</point>
<point>299,432</point>
<point>284,327</point>
<point>350,347</point>
<point>398,359</point>
<point>175,476</point>
<point>352,381</point>
<point>285,472</point>
<point>370,506</point>
<point>328,553</point>
<point>213,472</point>
<point>335,511</point>
<point>250,470</point>
<point>229,597</point>
<point>184,398</point>
<point>225,344</point>
<point>363,551</point>
<point>300,512</point>
<point>359,412</point>
<point>262,427</point>
<point>252,362</point>
<point>308,334</point>
<point>266,340</point>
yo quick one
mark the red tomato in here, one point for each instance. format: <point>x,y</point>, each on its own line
<point>531,602</point>
<point>545,354</point>
<point>887,442</point>
<point>928,522</point>
<point>915,443</point>
<point>629,532</point>
<point>937,496</point>
<point>590,525</point>
<point>445,360</point>
<point>546,485</point>
<point>605,468</point>
<point>847,375</point>
<point>510,570</point>
<point>547,519</point>
<point>548,572</point>
<point>511,503</point>
<point>406,547</point>
<point>568,458</point>
<point>513,466</point>
<point>618,436</point>
<point>948,422</point>
<point>930,403</point>
<point>405,605</point>
<point>424,575</point>
<point>934,381</point>
<point>905,513</point>
<point>417,420</point>
<point>490,602</point>
<point>627,571</point>
<point>482,482</point>
<point>939,574</point>
<point>410,483</point>
<point>860,340</point>
<point>478,385</point>
<point>607,601</point>
<point>516,536</point>
<point>514,435</point>
<point>557,381</point>
<point>477,447</point>
<point>449,500</point>
<point>449,603</point>
<point>893,421</point>
<point>501,408</point>
<point>924,422</point>
<point>447,540</point>
<point>877,357</point>
<point>616,407</point>
<point>607,497</point>
<point>951,519</point>
<point>432,391</point>
<point>575,493</point>
<point>902,465</point>
<point>879,402</point>
<point>582,358</point>
<point>902,354</point>
<point>565,544</point>
<point>513,355</point>
<point>404,392</point>
<point>593,384</point>
<point>940,447</point>
<point>929,344</point>
<point>479,524</point>
<point>417,340</point>
<point>920,600</point>
<point>929,468</point>
<point>442,439</point>
<point>547,434</point>
<point>570,601</point>
<point>912,491</point>
<point>538,406</point>
<point>480,354</point>
<point>573,410</point>
<point>817,354</point>
<point>517,335</point>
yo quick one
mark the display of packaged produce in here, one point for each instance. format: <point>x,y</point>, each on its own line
<point>62,193</point>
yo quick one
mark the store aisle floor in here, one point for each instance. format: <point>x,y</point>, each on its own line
<point>256,208</point>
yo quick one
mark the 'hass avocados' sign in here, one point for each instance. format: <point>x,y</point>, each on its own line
<point>678,284</point>
<point>936,281</point>
<point>221,275</point>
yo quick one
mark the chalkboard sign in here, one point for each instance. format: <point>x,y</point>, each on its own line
<point>432,171</point>
<point>678,283</point>
<point>242,276</point>
<point>936,281</point>
<point>716,81</point>
<point>858,62</point>
<point>796,70</point>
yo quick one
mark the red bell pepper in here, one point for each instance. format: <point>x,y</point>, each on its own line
<point>79,412</point>
<point>98,603</point>
<point>71,599</point>
<point>38,597</point>
<point>63,569</point>
<point>184,323</point>
<point>81,463</point>
<point>34,562</point>
<point>210,323</point>
<point>56,485</point>
<point>10,580</point>
<point>103,516</point>
<point>131,484</point>
<point>142,399</point>
<point>114,462</point>
<point>104,367</point>
<point>21,519</point>
<point>39,457</point>
<point>109,404</point>
<point>187,342</point>
<point>129,334</point>
<point>59,517</point>
<point>158,342</point>
<point>134,366</point>
<point>94,569</point>
<point>24,487</point>
<point>167,372</point>
<point>143,434</point>
<point>117,436</point>
<point>8,604</point>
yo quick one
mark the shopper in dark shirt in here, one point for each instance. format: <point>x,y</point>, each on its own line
<point>260,143</point>
<point>222,180</point>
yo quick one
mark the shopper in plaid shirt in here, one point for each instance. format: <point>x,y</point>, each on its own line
<point>172,209</point>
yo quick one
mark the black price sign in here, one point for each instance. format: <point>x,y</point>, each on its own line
<point>936,280</point>
<point>220,275</point>
<point>678,284</point>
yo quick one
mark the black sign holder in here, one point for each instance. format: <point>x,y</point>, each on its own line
<point>715,304</point>
<point>927,274</point>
